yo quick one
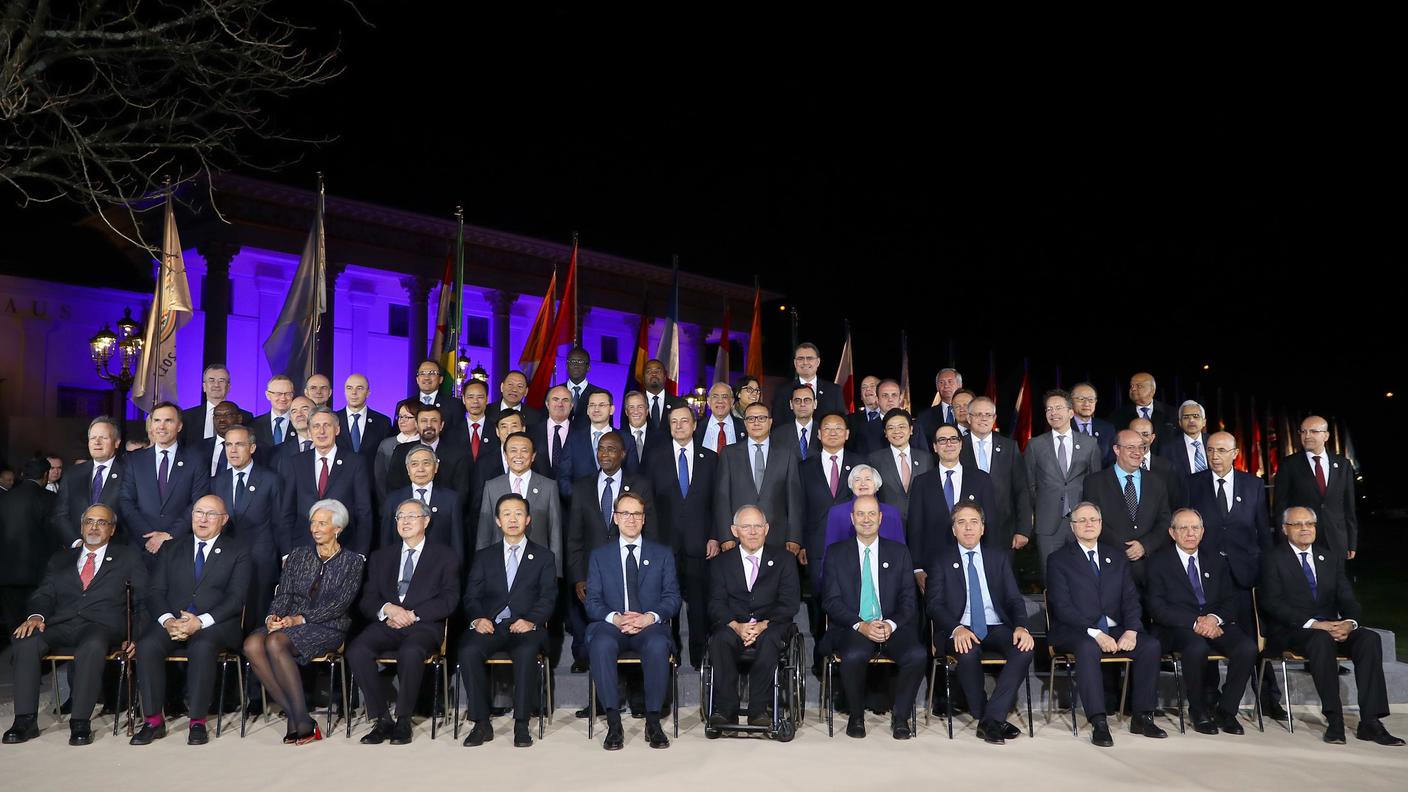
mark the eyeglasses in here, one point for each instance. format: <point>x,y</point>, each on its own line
<point>750,389</point>
<point>1301,524</point>
<point>972,414</point>
<point>278,394</point>
<point>427,373</point>
<point>201,514</point>
<point>629,515</point>
<point>410,518</point>
<point>89,521</point>
<point>947,440</point>
<point>1083,399</point>
<point>757,419</point>
<point>804,400</point>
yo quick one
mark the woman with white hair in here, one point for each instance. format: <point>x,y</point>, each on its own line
<point>863,480</point>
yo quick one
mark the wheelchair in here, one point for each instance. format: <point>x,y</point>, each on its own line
<point>788,691</point>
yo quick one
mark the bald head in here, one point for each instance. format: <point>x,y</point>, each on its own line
<point>1142,388</point>
<point>1314,431</point>
<point>1222,453</point>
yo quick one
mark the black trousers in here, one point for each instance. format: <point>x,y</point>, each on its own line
<point>694,581</point>
<point>725,648</point>
<point>556,627</point>
<point>201,649</point>
<point>1199,675</point>
<point>410,646</point>
<point>856,651</point>
<point>970,674</point>
<point>522,648</point>
<point>89,643</point>
<point>1143,679</point>
<point>1363,648</point>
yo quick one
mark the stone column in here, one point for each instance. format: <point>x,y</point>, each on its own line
<point>216,296</point>
<point>501,302</point>
<point>327,330</point>
<point>418,291</point>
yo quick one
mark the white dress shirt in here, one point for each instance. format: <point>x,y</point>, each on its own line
<point>209,430</point>
<point>908,463</point>
<point>874,576</point>
<point>711,432</point>
<point>318,463</point>
<point>1226,488</point>
<point>621,542</point>
<point>688,449</point>
<point>429,488</point>
<point>1324,464</point>
<point>1198,564</point>
<point>215,457</point>
<point>170,460</point>
<point>1193,453</point>
<point>989,612</point>
<point>526,479</point>
<point>1085,551</point>
<point>235,479</point>
<point>400,564</point>
<point>957,481</point>
<point>810,428</point>
<point>615,484</point>
<point>206,620</point>
<point>1067,440</point>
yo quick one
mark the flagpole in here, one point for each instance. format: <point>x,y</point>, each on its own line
<point>576,310</point>
<point>316,326</point>
<point>160,292</point>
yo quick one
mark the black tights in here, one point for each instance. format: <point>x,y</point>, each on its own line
<point>271,656</point>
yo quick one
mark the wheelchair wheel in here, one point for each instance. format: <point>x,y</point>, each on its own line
<point>785,731</point>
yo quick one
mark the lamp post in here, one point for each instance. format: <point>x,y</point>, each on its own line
<point>126,347</point>
<point>698,400</point>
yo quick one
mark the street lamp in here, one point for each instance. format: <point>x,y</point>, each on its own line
<point>697,400</point>
<point>125,346</point>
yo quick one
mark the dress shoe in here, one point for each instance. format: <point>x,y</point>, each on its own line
<point>291,736</point>
<point>900,730</point>
<point>1204,726</point>
<point>990,732</point>
<point>1274,710</point>
<point>638,712</point>
<point>1334,730</point>
<point>482,732</point>
<point>1009,732</point>
<point>1227,722</point>
<point>615,740</point>
<point>1100,732</point>
<point>380,733</point>
<point>761,719</point>
<point>1143,723</point>
<point>401,734</point>
<point>197,735</point>
<point>522,737</point>
<point>498,712</point>
<point>580,667</point>
<point>855,726</point>
<point>585,712</point>
<point>79,732</point>
<point>26,727</point>
<point>656,735</point>
<point>1372,730</point>
<point>719,720</point>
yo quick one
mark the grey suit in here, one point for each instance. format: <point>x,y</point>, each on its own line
<point>780,497</point>
<point>1053,493</point>
<point>544,507</point>
<point>892,489</point>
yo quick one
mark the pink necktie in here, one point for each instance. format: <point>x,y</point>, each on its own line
<point>904,471</point>
<point>518,485</point>
<point>752,573</point>
<point>835,475</point>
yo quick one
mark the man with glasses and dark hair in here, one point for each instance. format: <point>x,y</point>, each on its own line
<point>934,496</point>
<point>801,435</point>
<point>720,428</point>
<point>1323,482</point>
<point>198,423</point>
<point>806,361</point>
<point>429,378</point>
<point>1084,400</point>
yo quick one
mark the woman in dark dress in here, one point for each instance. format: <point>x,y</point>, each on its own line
<point>308,616</point>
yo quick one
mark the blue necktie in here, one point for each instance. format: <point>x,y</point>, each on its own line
<point>1094,564</point>
<point>407,570</point>
<point>1196,581</point>
<point>239,492</point>
<point>200,560</point>
<point>804,445</point>
<point>1200,462</point>
<point>607,501</point>
<point>356,432</point>
<point>977,611</point>
<point>1309,574</point>
<point>97,492</point>
<point>684,475</point>
<point>278,430</point>
<point>948,489</point>
<point>510,572</point>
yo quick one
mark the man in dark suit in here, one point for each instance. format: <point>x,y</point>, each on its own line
<point>682,479</point>
<point>863,439</point>
<point>973,599</point>
<point>1084,399</point>
<point>869,595</point>
<point>825,483</point>
<point>1094,611</point>
<point>1191,601</point>
<point>590,524</point>
<point>1009,522</point>
<point>1058,463</point>
<point>754,595</point>
<point>1235,521</point>
<point>899,462</point>
<point>510,595</point>
<point>1135,507</point>
<point>934,495</point>
<point>412,588</point>
<point>800,435</point>
<point>1308,606</point>
<point>551,435</point>
<point>946,383</point>
<point>362,428</point>
<point>212,449</point>
<point>658,403</point>
<point>80,608</point>
<point>806,360</point>
<point>1142,404</point>
<point>162,482</point>
<point>474,432</point>
<point>1175,480</point>
<point>446,515</point>
<point>318,389</point>
<point>297,439</point>
<point>511,391</point>
<point>632,594</point>
<point>428,381</point>
<point>646,438</point>
<point>199,589</point>
<point>721,428</point>
<point>28,541</point>
<point>197,423</point>
<point>97,479</point>
<point>579,455</point>
<point>759,473</point>
<point>272,428</point>
<point>323,472</point>
<point>1322,482</point>
<point>253,497</point>
<point>454,472</point>
<point>1188,449</point>
<point>578,363</point>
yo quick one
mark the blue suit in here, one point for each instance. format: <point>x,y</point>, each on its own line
<point>141,507</point>
<point>658,590</point>
<point>579,457</point>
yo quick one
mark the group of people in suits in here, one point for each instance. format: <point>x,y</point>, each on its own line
<point>516,526</point>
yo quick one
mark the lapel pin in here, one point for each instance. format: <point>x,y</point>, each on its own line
<point>701,454</point>
<point>112,475</point>
<point>1322,558</point>
<point>434,509</point>
<point>339,461</point>
<point>217,551</point>
<point>1238,498</point>
<point>530,556</point>
<point>535,490</point>
<point>1107,560</point>
<point>955,565</point>
<point>769,562</point>
<point>1335,465</point>
<point>997,449</point>
<point>251,488</point>
<point>1207,574</point>
<point>180,463</point>
<point>626,488</point>
<point>1222,553</point>
<point>970,497</point>
<point>1077,446</point>
<point>646,562</point>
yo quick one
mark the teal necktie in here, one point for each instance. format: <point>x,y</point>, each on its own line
<point>869,600</point>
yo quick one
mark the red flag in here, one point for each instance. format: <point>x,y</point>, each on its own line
<point>1273,443</point>
<point>1242,450</point>
<point>562,333</point>
<point>1022,432</point>
<point>721,361</point>
<point>755,337</point>
<point>1254,462</point>
<point>537,347</point>
<point>845,373</point>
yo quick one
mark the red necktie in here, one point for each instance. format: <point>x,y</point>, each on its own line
<point>723,439</point>
<point>89,569</point>
<point>323,477</point>
<point>474,441</point>
<point>1319,476</point>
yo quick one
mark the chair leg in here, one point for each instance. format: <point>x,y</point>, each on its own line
<point>929,689</point>
<point>1074,687</point>
<point>1182,691</point>
<point>544,700</point>
<point>948,694</point>
<point>1031,724</point>
<point>829,705</point>
<point>591,706</point>
<point>1286,686</point>
<point>675,697</point>
<point>220,708</point>
<point>1256,702</point>
<point>435,708</point>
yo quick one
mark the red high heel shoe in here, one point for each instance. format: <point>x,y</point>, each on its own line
<point>304,739</point>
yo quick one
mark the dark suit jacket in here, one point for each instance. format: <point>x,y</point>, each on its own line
<point>1011,498</point>
<point>205,449</point>
<point>193,423</point>
<point>1076,597</point>
<point>817,501</point>
<point>75,495</point>
<point>27,535</point>
<point>1164,420</point>
<point>434,591</point>
<point>892,489</point>
<point>586,530</point>
<point>375,428</point>
<point>258,518</point>
<point>1283,595</point>
<point>1171,601</point>
<point>946,592</point>
<point>828,399</point>
<point>788,436</point>
<point>451,411</point>
<point>1176,452</point>
<point>1150,526</point>
<point>930,524</point>
<point>928,421</point>
<point>1241,535</point>
<point>534,592</point>
<point>780,497</point>
<point>655,440</point>
<point>530,415</point>
<point>667,403</point>
<point>140,505</point>
<point>349,481</point>
<point>657,583</point>
<point>710,426</point>
<point>488,467</point>
<point>446,520</point>
<point>865,435</point>
<point>1335,513</point>
<point>579,404</point>
<point>1104,433</point>
<point>686,523</point>
<point>542,450</point>
<point>1175,481</point>
<point>263,427</point>
<point>453,472</point>
<point>61,597</point>
<point>579,457</point>
<point>776,594</point>
<point>841,589</point>
<point>224,581</point>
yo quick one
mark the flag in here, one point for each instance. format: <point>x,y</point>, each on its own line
<point>635,377</point>
<point>904,372</point>
<point>991,392</point>
<point>1022,423</point>
<point>1273,442</point>
<point>1242,450</point>
<point>171,310</point>
<point>534,351</point>
<point>721,360</point>
<point>1254,459</point>
<point>668,352</point>
<point>563,332</point>
<point>292,346</point>
<point>845,373</point>
<point>449,317</point>
<point>755,336</point>
<point>1348,444</point>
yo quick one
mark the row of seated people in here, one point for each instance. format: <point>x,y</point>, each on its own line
<point>633,593</point>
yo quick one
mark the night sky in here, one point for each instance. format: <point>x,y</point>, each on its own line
<point>1079,210</point>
